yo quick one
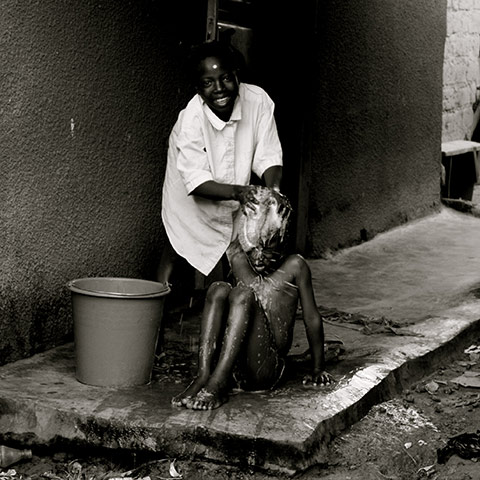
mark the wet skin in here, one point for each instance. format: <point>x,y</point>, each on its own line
<point>247,334</point>
<point>265,258</point>
<point>210,387</point>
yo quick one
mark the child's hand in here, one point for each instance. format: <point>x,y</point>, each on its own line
<point>322,378</point>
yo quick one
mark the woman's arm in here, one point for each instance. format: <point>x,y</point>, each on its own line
<point>212,190</point>
<point>273,177</point>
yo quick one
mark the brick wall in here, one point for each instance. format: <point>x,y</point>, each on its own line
<point>461,71</point>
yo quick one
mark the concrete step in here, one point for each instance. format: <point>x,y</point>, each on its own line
<point>402,304</point>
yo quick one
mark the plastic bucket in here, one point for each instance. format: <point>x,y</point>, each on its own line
<point>116,323</point>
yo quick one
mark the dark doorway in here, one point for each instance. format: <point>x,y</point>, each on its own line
<point>277,42</point>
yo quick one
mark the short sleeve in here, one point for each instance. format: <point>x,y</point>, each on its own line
<point>268,151</point>
<point>191,156</point>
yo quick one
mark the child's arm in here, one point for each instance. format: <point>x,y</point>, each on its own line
<point>313,325</point>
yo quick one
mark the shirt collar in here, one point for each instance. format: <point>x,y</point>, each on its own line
<point>216,122</point>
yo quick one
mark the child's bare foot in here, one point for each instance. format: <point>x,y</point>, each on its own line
<point>205,400</point>
<point>186,397</point>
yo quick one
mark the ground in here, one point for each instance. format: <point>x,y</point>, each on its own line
<point>398,440</point>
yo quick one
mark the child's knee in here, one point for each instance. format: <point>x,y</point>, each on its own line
<point>241,295</point>
<point>218,291</point>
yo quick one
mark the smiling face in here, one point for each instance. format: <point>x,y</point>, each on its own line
<point>218,86</point>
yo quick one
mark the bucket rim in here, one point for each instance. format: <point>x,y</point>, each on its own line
<point>161,288</point>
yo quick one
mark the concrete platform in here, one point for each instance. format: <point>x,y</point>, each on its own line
<point>401,303</point>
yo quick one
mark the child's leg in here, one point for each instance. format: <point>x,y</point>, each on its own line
<point>261,365</point>
<point>215,391</point>
<point>243,312</point>
<point>211,328</point>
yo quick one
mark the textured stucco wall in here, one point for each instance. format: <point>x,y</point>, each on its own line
<point>88,94</point>
<point>461,70</point>
<point>377,118</point>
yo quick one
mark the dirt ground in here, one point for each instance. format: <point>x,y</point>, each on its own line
<point>397,440</point>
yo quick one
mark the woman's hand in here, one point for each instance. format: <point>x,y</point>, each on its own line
<point>321,378</point>
<point>245,194</point>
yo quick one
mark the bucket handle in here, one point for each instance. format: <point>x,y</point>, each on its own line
<point>119,294</point>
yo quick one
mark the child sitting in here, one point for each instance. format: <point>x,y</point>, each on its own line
<point>247,328</point>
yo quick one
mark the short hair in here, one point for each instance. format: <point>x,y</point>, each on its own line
<point>222,50</point>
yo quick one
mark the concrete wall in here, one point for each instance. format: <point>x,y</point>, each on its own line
<point>90,90</point>
<point>88,93</point>
<point>461,70</point>
<point>377,116</point>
